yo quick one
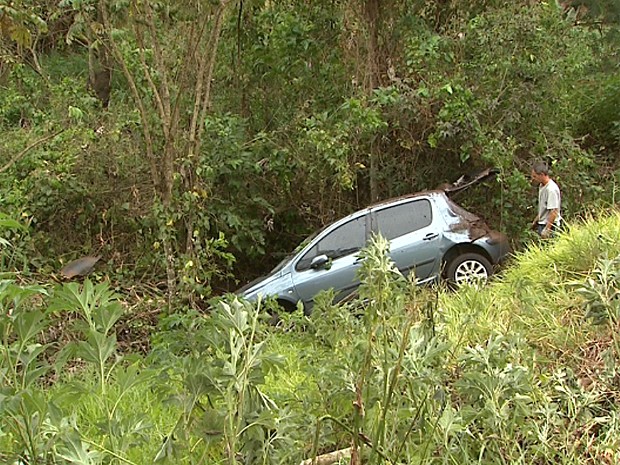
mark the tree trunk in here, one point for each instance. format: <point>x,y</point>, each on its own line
<point>371,79</point>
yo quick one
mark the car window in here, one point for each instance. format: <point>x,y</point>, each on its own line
<point>402,219</point>
<point>344,240</point>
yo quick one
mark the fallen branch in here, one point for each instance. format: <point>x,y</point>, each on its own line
<point>27,149</point>
<point>329,458</point>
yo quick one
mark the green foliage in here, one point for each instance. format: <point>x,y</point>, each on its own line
<point>19,22</point>
<point>513,373</point>
<point>501,94</point>
<point>292,131</point>
<point>601,292</point>
<point>226,167</point>
<point>430,386</point>
<point>13,237</point>
<point>42,427</point>
<point>277,42</point>
<point>498,392</point>
<point>27,421</point>
<point>335,138</point>
<point>509,373</point>
<point>600,120</point>
<point>43,182</point>
<point>384,367</point>
<point>99,309</point>
<point>217,377</point>
<point>117,430</point>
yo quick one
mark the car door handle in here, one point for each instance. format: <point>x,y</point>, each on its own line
<point>431,236</point>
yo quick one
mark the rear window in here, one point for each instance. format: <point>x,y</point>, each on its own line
<point>456,211</point>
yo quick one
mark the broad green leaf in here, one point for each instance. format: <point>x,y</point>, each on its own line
<point>76,452</point>
<point>107,315</point>
<point>97,348</point>
<point>6,222</point>
<point>29,324</point>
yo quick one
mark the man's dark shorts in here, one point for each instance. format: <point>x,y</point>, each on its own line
<point>556,228</point>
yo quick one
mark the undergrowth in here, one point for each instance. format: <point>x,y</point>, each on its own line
<point>524,370</point>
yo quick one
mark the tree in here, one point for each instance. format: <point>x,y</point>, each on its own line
<point>167,53</point>
<point>21,25</point>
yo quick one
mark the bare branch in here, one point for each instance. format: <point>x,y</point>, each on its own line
<point>159,60</point>
<point>200,78</point>
<point>27,149</point>
<point>146,128</point>
<point>195,38</point>
<point>147,73</point>
<point>213,42</point>
<point>329,458</point>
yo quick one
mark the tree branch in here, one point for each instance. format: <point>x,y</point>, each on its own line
<point>214,42</point>
<point>146,128</point>
<point>200,79</point>
<point>27,149</point>
<point>158,99</point>
<point>159,60</point>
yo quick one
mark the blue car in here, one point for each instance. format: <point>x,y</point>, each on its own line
<point>429,235</point>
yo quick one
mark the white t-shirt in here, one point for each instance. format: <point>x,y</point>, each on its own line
<point>549,198</point>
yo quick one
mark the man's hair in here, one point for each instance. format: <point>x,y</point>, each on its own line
<point>540,167</point>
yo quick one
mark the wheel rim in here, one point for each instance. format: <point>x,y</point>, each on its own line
<point>470,271</point>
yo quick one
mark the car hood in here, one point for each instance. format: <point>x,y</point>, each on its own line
<point>257,284</point>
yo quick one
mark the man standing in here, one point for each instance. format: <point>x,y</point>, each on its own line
<point>549,202</point>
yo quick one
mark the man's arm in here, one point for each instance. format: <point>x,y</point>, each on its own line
<point>553,214</point>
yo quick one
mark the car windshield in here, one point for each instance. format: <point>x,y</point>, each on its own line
<point>298,249</point>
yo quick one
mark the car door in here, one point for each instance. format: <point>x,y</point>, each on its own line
<point>337,248</point>
<point>414,235</point>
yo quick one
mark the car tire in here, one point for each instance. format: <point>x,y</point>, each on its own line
<point>287,306</point>
<point>274,313</point>
<point>468,268</point>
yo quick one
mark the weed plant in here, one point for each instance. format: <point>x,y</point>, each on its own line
<point>547,298</point>
<point>521,371</point>
<point>498,374</point>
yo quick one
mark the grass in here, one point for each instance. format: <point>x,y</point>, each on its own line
<point>434,376</point>
<point>536,294</point>
<point>535,301</point>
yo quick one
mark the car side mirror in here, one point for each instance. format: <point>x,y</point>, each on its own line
<point>321,262</point>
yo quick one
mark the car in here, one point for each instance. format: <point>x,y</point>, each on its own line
<point>429,235</point>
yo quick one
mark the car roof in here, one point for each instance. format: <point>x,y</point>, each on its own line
<point>394,200</point>
<point>462,183</point>
<point>443,191</point>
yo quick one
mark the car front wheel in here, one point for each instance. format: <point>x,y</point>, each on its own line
<point>468,268</point>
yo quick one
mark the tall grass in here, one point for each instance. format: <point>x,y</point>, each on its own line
<point>524,370</point>
<point>536,294</point>
<point>505,364</point>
